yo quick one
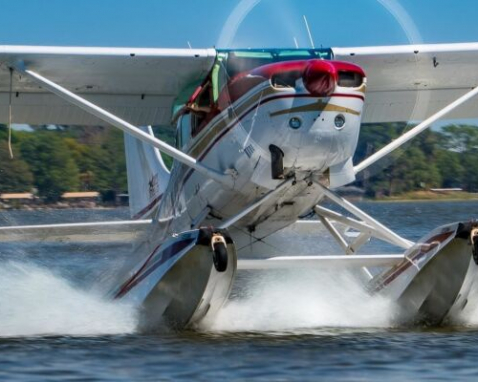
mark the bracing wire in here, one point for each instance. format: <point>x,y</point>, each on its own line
<point>10,115</point>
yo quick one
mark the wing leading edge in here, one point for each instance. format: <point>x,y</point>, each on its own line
<point>139,85</point>
<point>412,82</point>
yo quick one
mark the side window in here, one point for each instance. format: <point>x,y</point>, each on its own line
<point>200,109</point>
<point>204,100</point>
<point>183,130</point>
<point>193,117</point>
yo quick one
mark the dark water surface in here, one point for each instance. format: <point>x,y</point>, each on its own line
<point>55,325</point>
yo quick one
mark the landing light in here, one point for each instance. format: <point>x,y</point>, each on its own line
<point>339,122</point>
<point>295,123</point>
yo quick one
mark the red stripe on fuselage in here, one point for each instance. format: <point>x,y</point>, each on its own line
<point>261,102</point>
<point>142,273</point>
<point>408,262</point>
<point>148,208</point>
<point>127,285</point>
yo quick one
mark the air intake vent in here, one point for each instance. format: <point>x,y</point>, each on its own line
<point>350,79</point>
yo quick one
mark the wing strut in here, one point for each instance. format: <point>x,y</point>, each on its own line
<point>320,262</point>
<point>110,118</point>
<point>256,204</point>
<point>368,227</point>
<point>414,132</point>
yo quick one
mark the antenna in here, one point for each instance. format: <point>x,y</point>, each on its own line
<point>308,31</point>
<point>189,44</point>
<point>296,43</point>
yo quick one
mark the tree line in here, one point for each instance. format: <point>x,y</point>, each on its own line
<point>441,158</point>
<point>53,161</point>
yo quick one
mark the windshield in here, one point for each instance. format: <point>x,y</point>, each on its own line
<point>232,62</point>
<point>237,61</point>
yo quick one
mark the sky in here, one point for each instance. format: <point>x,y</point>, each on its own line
<point>235,23</point>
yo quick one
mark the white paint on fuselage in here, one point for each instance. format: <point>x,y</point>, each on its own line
<point>251,122</point>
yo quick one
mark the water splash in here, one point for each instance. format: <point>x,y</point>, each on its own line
<point>297,301</point>
<point>36,302</point>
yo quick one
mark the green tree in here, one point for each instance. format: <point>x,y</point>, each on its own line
<point>89,161</point>
<point>15,176</point>
<point>51,163</point>
<point>461,142</point>
<point>168,135</point>
<point>459,138</point>
<point>469,159</point>
<point>114,161</point>
<point>450,167</point>
<point>99,155</point>
<point>409,168</point>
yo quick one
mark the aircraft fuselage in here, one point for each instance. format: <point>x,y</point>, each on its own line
<point>306,112</point>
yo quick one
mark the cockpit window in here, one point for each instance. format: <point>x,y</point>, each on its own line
<point>237,61</point>
<point>228,81</point>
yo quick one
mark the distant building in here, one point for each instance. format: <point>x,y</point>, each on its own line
<point>81,199</point>
<point>19,198</point>
<point>88,195</point>
<point>445,190</point>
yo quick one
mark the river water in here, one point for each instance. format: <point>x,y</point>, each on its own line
<point>55,325</point>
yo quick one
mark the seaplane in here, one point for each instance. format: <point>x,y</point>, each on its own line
<point>264,137</point>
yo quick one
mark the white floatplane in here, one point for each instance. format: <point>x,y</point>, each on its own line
<point>263,139</point>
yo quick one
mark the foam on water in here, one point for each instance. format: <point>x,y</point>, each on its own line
<point>303,300</point>
<point>34,301</point>
<point>312,300</point>
<point>37,302</point>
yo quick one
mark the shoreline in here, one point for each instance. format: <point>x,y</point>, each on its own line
<point>428,196</point>
<point>48,207</point>
<point>418,196</point>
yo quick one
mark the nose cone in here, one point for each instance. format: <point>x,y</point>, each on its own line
<point>321,77</point>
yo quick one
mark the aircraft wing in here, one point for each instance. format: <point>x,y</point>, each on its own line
<point>412,82</point>
<point>136,84</point>
<point>112,231</point>
<point>141,85</point>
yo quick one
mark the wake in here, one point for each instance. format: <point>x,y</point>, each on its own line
<point>303,300</point>
<point>36,302</point>
<point>306,301</point>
